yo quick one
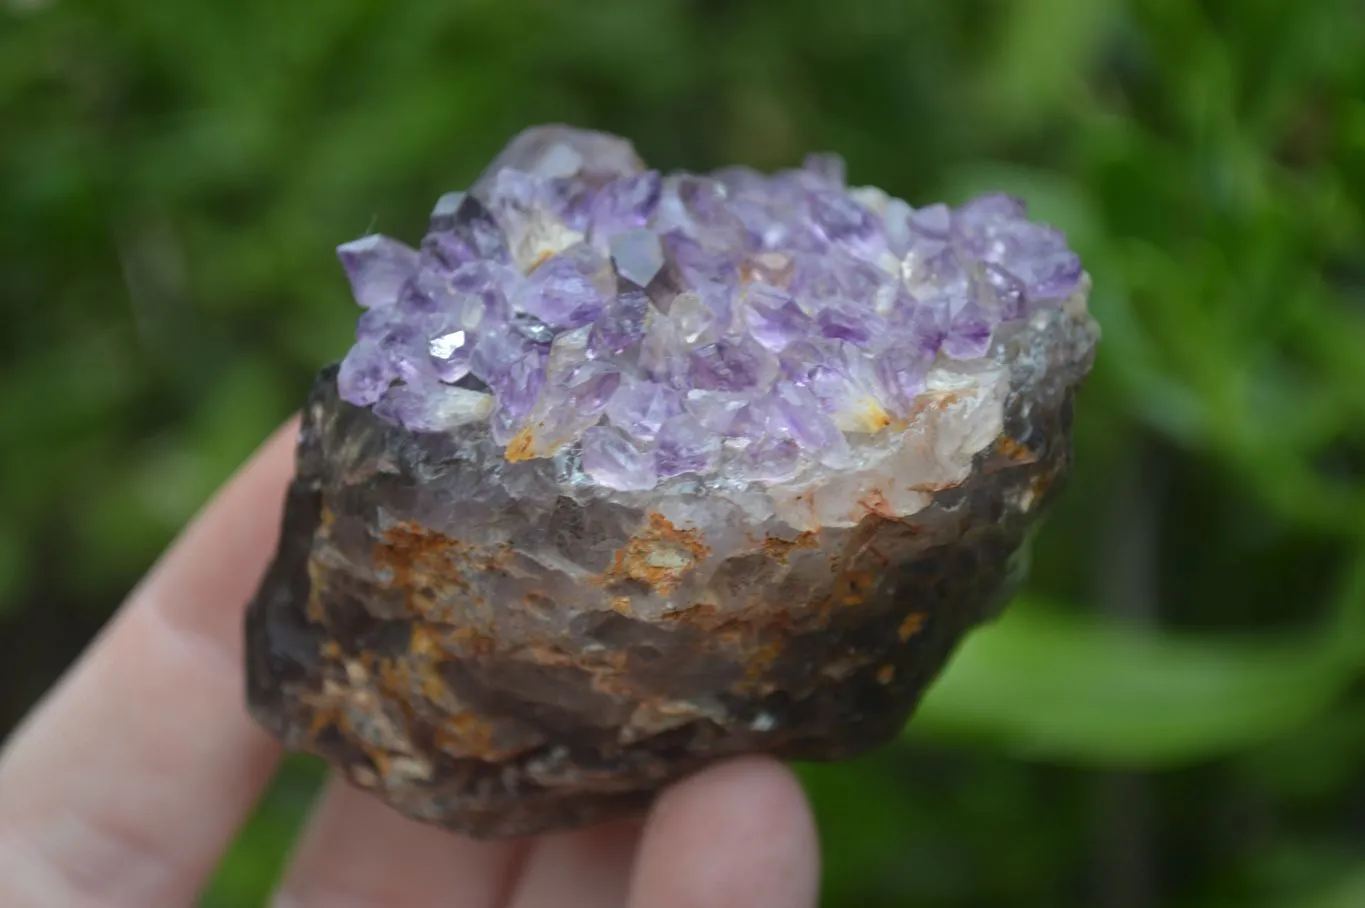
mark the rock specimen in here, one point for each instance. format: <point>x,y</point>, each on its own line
<point>628,472</point>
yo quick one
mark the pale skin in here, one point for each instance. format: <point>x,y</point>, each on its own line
<point>125,784</point>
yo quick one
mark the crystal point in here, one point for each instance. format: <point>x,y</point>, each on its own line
<point>615,462</point>
<point>378,267</point>
<point>564,152</point>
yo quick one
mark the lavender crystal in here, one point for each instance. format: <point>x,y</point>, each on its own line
<point>797,316</point>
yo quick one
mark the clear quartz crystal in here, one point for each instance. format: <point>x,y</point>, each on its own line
<point>615,461</point>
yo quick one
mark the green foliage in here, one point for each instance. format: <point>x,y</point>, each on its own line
<point>173,176</point>
<point>1148,702</point>
<point>263,846</point>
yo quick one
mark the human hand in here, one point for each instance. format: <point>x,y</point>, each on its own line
<point>127,782</point>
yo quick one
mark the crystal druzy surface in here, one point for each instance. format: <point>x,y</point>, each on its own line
<point>628,472</point>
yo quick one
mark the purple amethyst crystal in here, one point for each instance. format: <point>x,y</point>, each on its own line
<point>378,269</point>
<point>627,472</point>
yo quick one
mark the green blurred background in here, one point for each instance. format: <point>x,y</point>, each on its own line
<point>1171,714</point>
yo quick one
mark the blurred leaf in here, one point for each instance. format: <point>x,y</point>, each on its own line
<point>1344,893</point>
<point>253,862</point>
<point>1052,686</point>
<point>1045,48</point>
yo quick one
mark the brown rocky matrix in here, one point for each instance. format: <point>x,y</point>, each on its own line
<point>506,646</point>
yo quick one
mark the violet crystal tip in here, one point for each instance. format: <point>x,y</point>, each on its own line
<point>627,472</point>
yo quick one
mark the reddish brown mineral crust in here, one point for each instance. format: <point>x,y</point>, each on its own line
<point>910,626</point>
<point>659,558</point>
<point>522,446</point>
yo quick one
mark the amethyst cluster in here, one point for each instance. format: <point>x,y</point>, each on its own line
<point>732,322</point>
<point>627,473</point>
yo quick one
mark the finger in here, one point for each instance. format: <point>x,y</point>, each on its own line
<point>130,777</point>
<point>587,868</point>
<point>738,835</point>
<point>360,853</point>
